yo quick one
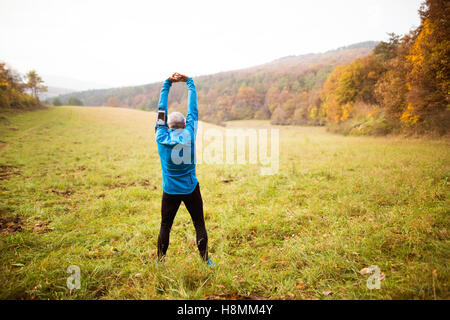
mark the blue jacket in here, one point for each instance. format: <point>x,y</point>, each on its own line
<point>176,147</point>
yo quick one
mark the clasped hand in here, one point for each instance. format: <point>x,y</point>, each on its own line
<point>178,77</point>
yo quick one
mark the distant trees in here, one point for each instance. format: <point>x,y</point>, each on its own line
<point>247,102</point>
<point>279,116</point>
<point>73,101</point>
<point>114,102</point>
<point>56,102</point>
<point>13,90</point>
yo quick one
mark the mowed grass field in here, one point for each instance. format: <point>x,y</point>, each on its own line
<point>82,186</point>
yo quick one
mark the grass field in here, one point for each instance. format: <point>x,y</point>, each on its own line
<point>82,186</point>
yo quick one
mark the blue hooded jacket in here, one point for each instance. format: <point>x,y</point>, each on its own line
<point>176,147</point>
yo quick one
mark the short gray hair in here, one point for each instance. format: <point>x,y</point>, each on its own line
<point>176,120</point>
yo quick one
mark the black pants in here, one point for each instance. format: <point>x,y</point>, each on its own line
<point>169,207</point>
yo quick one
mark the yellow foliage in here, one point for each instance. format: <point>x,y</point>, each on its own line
<point>374,113</point>
<point>408,116</point>
<point>416,56</point>
<point>347,111</point>
<point>314,113</point>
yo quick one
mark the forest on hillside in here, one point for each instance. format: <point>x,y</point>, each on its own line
<point>397,85</point>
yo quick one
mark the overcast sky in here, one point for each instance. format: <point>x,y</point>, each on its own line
<point>128,42</point>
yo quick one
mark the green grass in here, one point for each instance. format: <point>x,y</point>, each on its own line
<point>86,184</point>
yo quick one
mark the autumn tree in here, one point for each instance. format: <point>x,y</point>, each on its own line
<point>272,99</point>
<point>428,81</point>
<point>331,104</point>
<point>391,88</point>
<point>386,51</point>
<point>114,102</point>
<point>279,116</point>
<point>11,77</point>
<point>248,101</point>
<point>35,84</point>
<point>224,105</point>
<point>263,113</point>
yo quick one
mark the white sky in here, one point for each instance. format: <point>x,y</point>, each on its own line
<point>128,42</point>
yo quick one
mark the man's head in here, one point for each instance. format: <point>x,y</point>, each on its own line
<point>176,120</point>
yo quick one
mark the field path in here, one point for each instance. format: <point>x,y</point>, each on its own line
<point>24,133</point>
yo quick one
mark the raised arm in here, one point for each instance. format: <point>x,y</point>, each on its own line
<point>162,105</point>
<point>192,110</point>
<point>161,130</point>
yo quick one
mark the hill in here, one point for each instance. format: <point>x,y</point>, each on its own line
<point>300,63</point>
<point>54,92</point>
<point>239,94</point>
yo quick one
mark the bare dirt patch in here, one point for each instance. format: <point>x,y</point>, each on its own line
<point>231,297</point>
<point>144,183</point>
<point>66,193</point>
<point>4,145</point>
<point>10,225</point>
<point>6,171</point>
<point>39,225</point>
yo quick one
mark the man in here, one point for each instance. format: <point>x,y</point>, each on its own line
<point>176,148</point>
